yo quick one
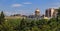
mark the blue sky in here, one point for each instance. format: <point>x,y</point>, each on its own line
<point>27,7</point>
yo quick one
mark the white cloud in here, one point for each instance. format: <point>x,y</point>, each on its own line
<point>27,3</point>
<point>16,5</point>
<point>9,13</point>
<point>54,5</point>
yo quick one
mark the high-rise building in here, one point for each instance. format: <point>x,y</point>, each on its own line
<point>55,13</point>
<point>49,12</point>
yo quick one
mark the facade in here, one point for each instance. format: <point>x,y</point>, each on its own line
<point>55,13</point>
<point>51,12</point>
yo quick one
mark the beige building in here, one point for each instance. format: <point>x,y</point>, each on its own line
<point>51,12</point>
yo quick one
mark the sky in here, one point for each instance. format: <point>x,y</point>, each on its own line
<point>27,7</point>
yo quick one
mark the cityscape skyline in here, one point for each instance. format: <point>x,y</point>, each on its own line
<point>27,7</point>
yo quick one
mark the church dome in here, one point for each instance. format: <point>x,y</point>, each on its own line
<point>37,11</point>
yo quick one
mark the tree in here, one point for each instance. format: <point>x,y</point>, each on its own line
<point>58,12</point>
<point>58,25</point>
<point>2,17</point>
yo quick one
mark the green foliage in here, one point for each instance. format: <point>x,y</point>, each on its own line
<point>59,12</point>
<point>29,24</point>
<point>2,17</point>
